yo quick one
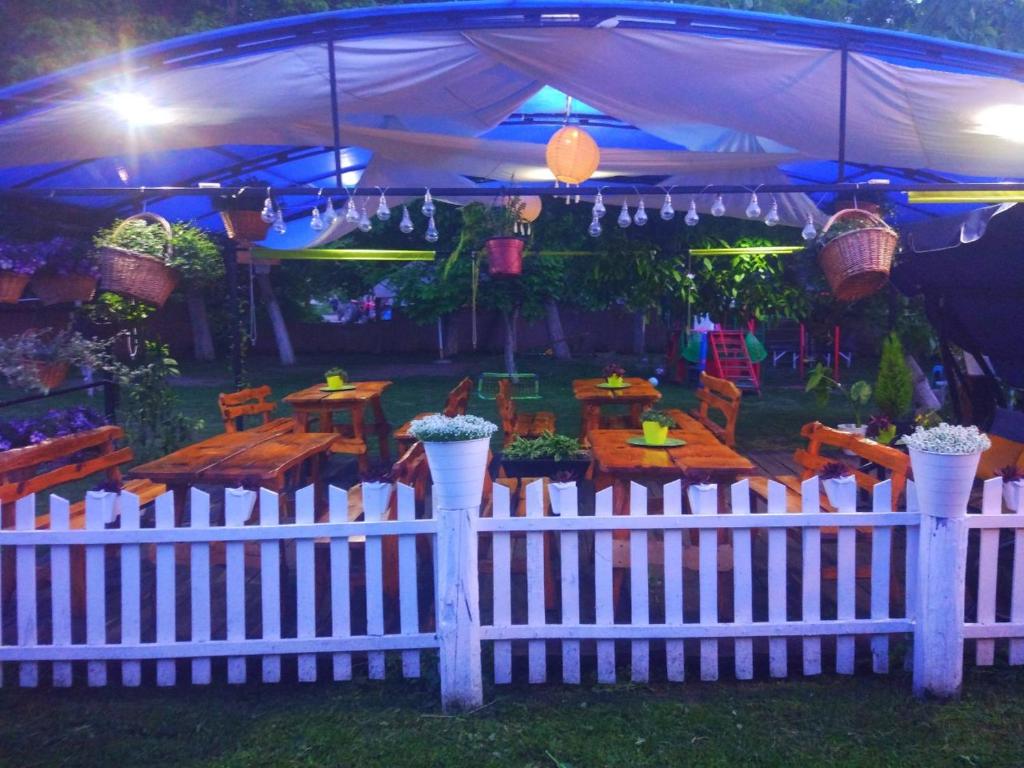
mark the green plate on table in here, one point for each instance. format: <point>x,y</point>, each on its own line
<point>342,388</point>
<point>671,442</point>
<point>606,385</point>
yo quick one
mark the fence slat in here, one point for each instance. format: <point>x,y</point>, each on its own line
<point>305,583</point>
<point>639,590</point>
<point>742,580</point>
<point>535,575</point>
<point>675,651</point>
<point>778,657</point>
<point>502,580</point>
<point>25,578</point>
<point>704,501</point>
<point>910,559</point>
<point>199,569</point>
<point>60,589</point>
<point>1016,651</point>
<point>375,505</point>
<point>564,503</point>
<point>166,605</point>
<point>881,559</point>
<point>131,597</point>
<point>604,607</point>
<point>341,622</point>
<point>96,513</point>
<point>811,573</point>
<point>270,583</point>
<point>238,504</point>
<point>988,560</point>
<point>846,569</point>
<point>408,596</point>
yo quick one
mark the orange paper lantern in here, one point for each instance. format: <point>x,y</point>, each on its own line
<point>572,155</point>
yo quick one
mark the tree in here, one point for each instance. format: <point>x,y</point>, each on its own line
<point>894,387</point>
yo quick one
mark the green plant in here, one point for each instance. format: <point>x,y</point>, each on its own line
<point>660,418</point>
<point>821,385</point>
<point>195,255</point>
<point>336,372</point>
<point>547,445</point>
<point>134,235</point>
<point>843,226</point>
<point>505,218</point>
<point>17,353</point>
<point>859,394</point>
<point>894,387</point>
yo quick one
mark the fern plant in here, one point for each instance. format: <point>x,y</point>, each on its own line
<point>894,388</point>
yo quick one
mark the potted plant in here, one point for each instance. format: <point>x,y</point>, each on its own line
<point>821,385</point>
<point>37,359</point>
<point>1013,481</point>
<point>656,425</point>
<point>855,253</point>
<point>134,256</point>
<point>70,273</point>
<point>241,211</point>
<point>549,455</point>
<point>506,244</point>
<point>336,378</point>
<point>836,478</point>
<point>945,460</point>
<point>18,262</point>
<point>880,429</point>
<point>613,373</point>
<point>457,449</point>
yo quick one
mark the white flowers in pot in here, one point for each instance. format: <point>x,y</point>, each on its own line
<point>945,460</point>
<point>457,449</point>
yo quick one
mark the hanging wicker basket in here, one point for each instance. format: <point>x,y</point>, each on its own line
<point>12,285</point>
<point>52,288</point>
<point>138,275</point>
<point>244,226</point>
<point>505,256</point>
<point>857,263</point>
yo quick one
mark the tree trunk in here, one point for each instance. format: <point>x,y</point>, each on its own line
<point>284,342</point>
<point>557,336</point>
<point>451,335</point>
<point>202,338</point>
<point>510,340</point>
<point>639,333</point>
<point>924,396</point>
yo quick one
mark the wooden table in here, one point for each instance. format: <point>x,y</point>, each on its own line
<point>313,403</point>
<point>639,395</point>
<point>261,458</point>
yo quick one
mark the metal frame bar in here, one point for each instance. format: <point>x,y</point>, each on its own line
<point>841,159</point>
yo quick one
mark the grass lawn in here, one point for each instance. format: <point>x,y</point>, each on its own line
<point>862,721</point>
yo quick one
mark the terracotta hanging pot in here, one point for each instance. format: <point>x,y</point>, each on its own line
<point>505,256</point>
<point>242,225</point>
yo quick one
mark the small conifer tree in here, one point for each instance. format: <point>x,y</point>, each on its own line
<point>894,388</point>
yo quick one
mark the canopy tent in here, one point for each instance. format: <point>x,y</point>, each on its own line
<point>467,94</point>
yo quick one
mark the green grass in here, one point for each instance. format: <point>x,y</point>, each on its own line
<point>861,721</point>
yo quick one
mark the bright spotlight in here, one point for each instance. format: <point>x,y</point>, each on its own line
<point>137,109</point>
<point>1003,120</point>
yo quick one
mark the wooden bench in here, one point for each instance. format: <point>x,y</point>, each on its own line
<point>723,396</point>
<point>249,402</point>
<point>456,404</point>
<point>515,424</point>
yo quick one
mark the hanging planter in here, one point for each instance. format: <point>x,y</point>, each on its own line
<point>50,373</point>
<point>243,213</point>
<point>244,225</point>
<point>133,261</point>
<point>70,275</point>
<point>54,288</point>
<point>18,261</point>
<point>505,256</point>
<point>856,253</point>
<point>12,285</point>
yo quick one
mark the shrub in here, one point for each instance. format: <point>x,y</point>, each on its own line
<point>894,388</point>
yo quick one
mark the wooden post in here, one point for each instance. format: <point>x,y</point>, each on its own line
<point>458,609</point>
<point>938,625</point>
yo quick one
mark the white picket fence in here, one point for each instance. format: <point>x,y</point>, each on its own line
<point>555,581</point>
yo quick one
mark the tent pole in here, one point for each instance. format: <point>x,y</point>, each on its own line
<point>844,61</point>
<point>231,275</point>
<point>334,112</point>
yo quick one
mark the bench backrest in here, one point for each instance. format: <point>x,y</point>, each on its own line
<point>245,402</point>
<point>506,407</point>
<point>893,461</point>
<point>723,396</point>
<point>457,402</point>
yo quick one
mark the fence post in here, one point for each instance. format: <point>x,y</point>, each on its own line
<point>458,609</point>
<point>939,623</point>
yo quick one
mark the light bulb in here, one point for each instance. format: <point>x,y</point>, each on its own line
<point>383,212</point>
<point>429,209</point>
<point>718,207</point>
<point>753,208</point>
<point>330,215</point>
<point>316,223</point>
<point>595,226</point>
<point>364,221</point>
<point>431,235</point>
<point>279,226</point>
<point>406,224</point>
<point>640,217</point>
<point>351,214</point>
<point>773,214</point>
<point>667,211</point>
<point>808,233</point>
<point>624,218</point>
<point>692,217</point>
<point>268,214</point>
<point>599,209</point>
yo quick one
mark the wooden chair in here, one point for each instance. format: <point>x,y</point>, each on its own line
<point>514,423</point>
<point>723,396</point>
<point>455,404</point>
<point>249,402</point>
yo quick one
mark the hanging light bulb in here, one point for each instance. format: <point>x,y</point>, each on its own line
<point>624,218</point>
<point>406,224</point>
<point>599,209</point>
<point>595,226</point>
<point>316,223</point>
<point>640,217</point>
<point>808,233</point>
<point>330,215</point>
<point>753,207</point>
<point>351,214</point>
<point>773,214</point>
<point>279,226</point>
<point>429,209</point>
<point>667,211</point>
<point>692,217</point>
<point>718,207</point>
<point>431,235</point>
<point>268,214</point>
<point>383,212</point>
<point>364,221</point>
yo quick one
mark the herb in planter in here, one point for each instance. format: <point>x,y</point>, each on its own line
<point>1011,473</point>
<point>548,445</point>
<point>660,418</point>
<point>834,470</point>
<point>438,428</point>
<point>613,369</point>
<point>881,430</point>
<point>337,372</point>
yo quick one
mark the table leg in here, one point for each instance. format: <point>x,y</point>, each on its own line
<point>591,418</point>
<point>301,419</point>
<point>383,430</point>
<point>359,433</point>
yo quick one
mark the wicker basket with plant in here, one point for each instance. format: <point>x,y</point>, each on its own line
<point>134,255</point>
<point>856,250</point>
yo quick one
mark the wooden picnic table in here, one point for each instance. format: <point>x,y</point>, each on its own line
<point>313,403</point>
<point>639,395</point>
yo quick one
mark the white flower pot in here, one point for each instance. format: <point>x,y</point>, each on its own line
<point>835,489</point>
<point>457,472</point>
<point>852,429</point>
<point>110,503</point>
<point>943,481</point>
<point>1011,494</point>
